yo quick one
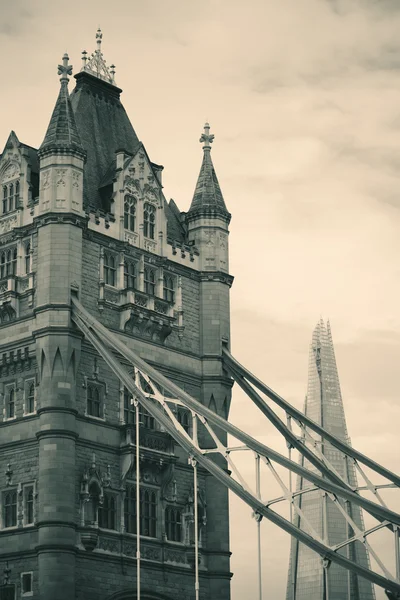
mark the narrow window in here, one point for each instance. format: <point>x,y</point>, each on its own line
<point>130,509</point>
<point>10,508</point>
<point>129,408</point>
<point>26,584</point>
<point>107,512</point>
<point>16,197</point>
<point>149,214</point>
<point>148,507</point>
<point>149,281</point>
<point>5,194</point>
<point>30,401</point>
<point>183,418</point>
<point>129,275</point>
<point>3,270</point>
<point>11,197</point>
<point>28,504</point>
<point>168,289</point>
<point>9,263</point>
<point>14,262</point>
<point>94,401</point>
<point>28,258</point>
<point>10,410</point>
<point>173,524</point>
<point>129,213</point>
<point>109,269</point>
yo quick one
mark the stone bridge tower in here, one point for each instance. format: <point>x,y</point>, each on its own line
<point>86,215</point>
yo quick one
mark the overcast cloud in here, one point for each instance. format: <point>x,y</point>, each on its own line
<point>303,97</point>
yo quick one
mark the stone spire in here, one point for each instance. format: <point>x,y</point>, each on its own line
<point>207,198</point>
<point>96,65</point>
<point>62,134</point>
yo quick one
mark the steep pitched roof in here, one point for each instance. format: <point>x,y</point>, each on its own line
<point>207,196</point>
<point>62,133</point>
<point>104,128</point>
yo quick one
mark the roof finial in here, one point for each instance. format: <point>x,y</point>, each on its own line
<point>207,139</point>
<point>96,65</point>
<point>65,69</point>
<point>99,37</point>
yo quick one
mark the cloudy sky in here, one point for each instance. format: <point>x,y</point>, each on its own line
<point>303,97</point>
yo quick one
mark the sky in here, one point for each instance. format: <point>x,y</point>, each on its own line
<point>303,97</point>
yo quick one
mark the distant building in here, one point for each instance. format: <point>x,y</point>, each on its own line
<point>86,214</point>
<point>324,405</point>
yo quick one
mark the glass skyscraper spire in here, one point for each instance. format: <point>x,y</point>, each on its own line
<point>323,404</point>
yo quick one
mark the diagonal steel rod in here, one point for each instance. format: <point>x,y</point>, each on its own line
<point>298,415</point>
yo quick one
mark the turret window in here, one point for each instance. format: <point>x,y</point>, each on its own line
<point>28,504</point>
<point>16,198</point>
<point>11,198</point>
<point>149,213</point>
<point>94,406</point>
<point>110,270</point>
<point>5,198</point>
<point>130,213</point>
<point>168,289</point>
<point>173,524</point>
<point>10,403</point>
<point>8,262</point>
<point>129,275</point>
<point>148,511</point>
<point>30,398</point>
<point>149,281</point>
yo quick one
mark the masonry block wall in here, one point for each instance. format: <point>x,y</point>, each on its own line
<point>159,280</point>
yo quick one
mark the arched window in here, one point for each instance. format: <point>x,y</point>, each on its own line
<point>109,269</point>
<point>92,506</point>
<point>16,196</point>
<point>129,275</point>
<point>149,214</point>
<point>148,511</point>
<point>173,524</point>
<point>9,265</point>
<point>94,401</point>
<point>129,408</point>
<point>5,193</point>
<point>11,197</point>
<point>149,281</point>
<point>130,213</point>
<point>28,258</point>
<point>107,512</point>
<point>30,400</point>
<point>183,418</point>
<point>168,289</point>
<point>10,409</point>
<point>10,509</point>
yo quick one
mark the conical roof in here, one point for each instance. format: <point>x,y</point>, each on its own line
<point>62,133</point>
<point>207,198</point>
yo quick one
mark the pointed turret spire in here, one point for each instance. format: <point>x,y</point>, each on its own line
<point>207,198</point>
<point>62,133</point>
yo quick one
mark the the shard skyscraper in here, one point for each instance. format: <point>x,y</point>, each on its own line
<point>307,579</point>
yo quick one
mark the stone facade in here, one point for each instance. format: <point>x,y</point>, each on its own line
<point>86,215</point>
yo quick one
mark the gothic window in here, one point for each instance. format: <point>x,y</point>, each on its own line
<point>149,213</point>
<point>30,398</point>
<point>11,197</point>
<point>149,281</point>
<point>5,194</point>
<point>110,270</point>
<point>183,418</point>
<point>8,262</point>
<point>10,403</point>
<point>108,512</point>
<point>27,584</point>
<point>129,275</point>
<point>28,258</point>
<point>129,213</point>
<point>94,400</point>
<point>10,508</point>
<point>168,289</point>
<point>148,511</point>
<point>28,504</point>
<point>173,524</point>
<point>16,197</point>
